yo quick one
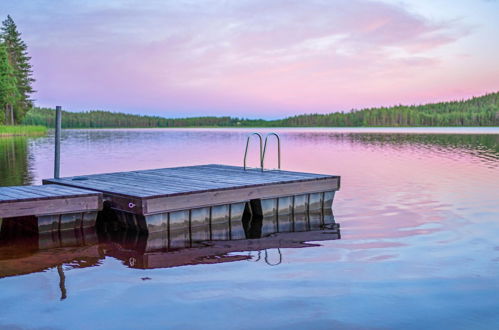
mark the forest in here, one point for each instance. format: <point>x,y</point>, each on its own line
<point>477,111</point>
<point>16,75</point>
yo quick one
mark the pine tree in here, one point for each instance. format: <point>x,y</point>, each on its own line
<point>19,60</point>
<point>9,94</point>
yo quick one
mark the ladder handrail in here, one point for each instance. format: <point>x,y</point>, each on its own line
<point>276,263</point>
<point>261,151</point>
<point>278,149</point>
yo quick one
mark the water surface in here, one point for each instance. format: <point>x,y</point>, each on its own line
<point>419,243</point>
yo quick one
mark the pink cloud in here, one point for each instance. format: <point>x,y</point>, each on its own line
<point>245,57</point>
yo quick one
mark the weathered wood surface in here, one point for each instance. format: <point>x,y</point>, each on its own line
<point>236,195</point>
<point>169,189</point>
<point>21,201</point>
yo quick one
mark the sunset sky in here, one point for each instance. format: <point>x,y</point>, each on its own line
<point>258,58</point>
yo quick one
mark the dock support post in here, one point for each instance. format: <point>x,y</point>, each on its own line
<point>57,156</point>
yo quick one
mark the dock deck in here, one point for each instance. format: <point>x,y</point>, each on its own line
<point>171,189</point>
<point>149,193</point>
<point>55,207</point>
<point>21,201</point>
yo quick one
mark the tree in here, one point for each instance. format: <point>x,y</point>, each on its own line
<point>9,94</point>
<point>19,59</point>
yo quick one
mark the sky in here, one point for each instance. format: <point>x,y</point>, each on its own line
<point>257,58</point>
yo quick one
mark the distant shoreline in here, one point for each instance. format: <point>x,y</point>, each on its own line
<point>27,131</point>
<point>288,127</point>
<point>21,130</point>
<point>482,111</point>
<point>468,130</point>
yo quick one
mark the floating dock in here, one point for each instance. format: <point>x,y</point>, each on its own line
<point>54,207</point>
<point>197,199</point>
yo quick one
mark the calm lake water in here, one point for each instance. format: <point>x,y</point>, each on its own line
<point>419,246</point>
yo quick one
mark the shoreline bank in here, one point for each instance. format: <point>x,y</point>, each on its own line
<point>21,130</point>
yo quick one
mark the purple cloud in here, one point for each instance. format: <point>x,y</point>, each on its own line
<point>237,57</point>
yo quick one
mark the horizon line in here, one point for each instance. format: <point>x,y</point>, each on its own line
<point>280,118</point>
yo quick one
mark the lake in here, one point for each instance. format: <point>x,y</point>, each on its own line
<point>419,245</point>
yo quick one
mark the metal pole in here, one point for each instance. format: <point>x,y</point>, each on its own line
<point>57,156</point>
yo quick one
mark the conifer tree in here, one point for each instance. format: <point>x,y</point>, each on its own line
<point>9,94</point>
<point>19,59</point>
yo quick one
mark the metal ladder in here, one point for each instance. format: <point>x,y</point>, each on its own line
<point>264,149</point>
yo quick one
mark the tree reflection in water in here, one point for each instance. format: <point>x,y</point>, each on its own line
<point>14,162</point>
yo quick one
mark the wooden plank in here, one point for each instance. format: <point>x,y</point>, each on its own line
<point>52,206</point>
<point>172,203</point>
<point>174,192</point>
<point>93,185</point>
<point>281,173</point>
<point>10,191</point>
<point>161,184</point>
<point>25,193</point>
<point>227,177</point>
<point>125,184</point>
<point>216,178</point>
<point>43,190</point>
<point>257,171</point>
<point>251,178</point>
<point>239,172</point>
<point>6,195</point>
<point>133,187</point>
<point>177,177</point>
<point>217,168</point>
<point>37,192</point>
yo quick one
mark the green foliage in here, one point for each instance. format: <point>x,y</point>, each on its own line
<point>478,111</point>
<point>22,130</point>
<point>9,94</point>
<point>19,60</point>
<point>105,119</point>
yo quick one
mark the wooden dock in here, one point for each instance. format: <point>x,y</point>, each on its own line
<point>55,207</point>
<point>172,199</point>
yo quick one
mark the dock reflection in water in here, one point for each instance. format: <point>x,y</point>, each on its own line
<point>134,250</point>
<point>23,251</point>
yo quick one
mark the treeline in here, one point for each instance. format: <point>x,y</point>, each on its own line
<point>16,75</point>
<point>477,111</point>
<point>106,119</point>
